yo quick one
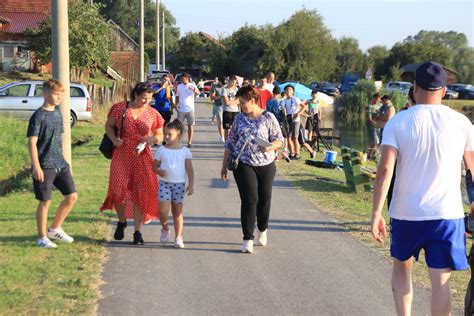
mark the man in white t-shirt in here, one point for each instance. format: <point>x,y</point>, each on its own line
<point>231,104</point>
<point>428,141</point>
<point>185,93</point>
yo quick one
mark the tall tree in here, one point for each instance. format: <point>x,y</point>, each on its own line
<point>88,38</point>
<point>300,49</point>
<point>375,57</point>
<point>349,57</point>
<point>125,14</point>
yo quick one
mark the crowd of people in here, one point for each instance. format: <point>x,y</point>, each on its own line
<point>426,143</point>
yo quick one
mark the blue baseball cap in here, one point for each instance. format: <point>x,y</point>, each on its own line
<point>431,76</point>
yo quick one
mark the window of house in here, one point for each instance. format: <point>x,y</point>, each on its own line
<point>8,51</point>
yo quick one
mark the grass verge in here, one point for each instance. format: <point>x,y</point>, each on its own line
<point>64,280</point>
<point>354,212</point>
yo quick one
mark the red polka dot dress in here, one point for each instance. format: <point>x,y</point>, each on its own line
<point>132,180</point>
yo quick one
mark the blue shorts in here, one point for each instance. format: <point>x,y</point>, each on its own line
<point>171,192</point>
<point>444,242</point>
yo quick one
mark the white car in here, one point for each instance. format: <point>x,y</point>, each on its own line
<point>21,99</point>
<point>401,86</point>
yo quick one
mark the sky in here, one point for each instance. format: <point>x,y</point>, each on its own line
<point>371,22</point>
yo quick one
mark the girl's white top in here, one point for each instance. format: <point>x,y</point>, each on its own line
<point>173,162</point>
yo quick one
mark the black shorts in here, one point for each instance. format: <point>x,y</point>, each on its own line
<point>61,178</point>
<point>166,116</point>
<point>312,123</point>
<point>228,119</point>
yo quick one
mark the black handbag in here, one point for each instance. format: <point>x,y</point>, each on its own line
<point>106,146</point>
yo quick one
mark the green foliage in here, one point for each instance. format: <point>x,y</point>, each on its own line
<point>88,38</point>
<point>188,54</point>
<point>399,99</point>
<point>396,72</point>
<point>125,14</point>
<point>349,57</point>
<point>447,48</point>
<point>300,49</point>
<point>375,57</point>
<point>356,100</point>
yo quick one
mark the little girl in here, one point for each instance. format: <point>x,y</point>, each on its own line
<point>172,163</point>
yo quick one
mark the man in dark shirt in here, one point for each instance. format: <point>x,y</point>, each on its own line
<point>49,166</point>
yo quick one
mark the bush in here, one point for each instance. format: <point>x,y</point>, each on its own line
<point>355,101</point>
<point>399,99</point>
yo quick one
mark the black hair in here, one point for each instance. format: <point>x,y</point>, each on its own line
<point>376,95</point>
<point>221,79</point>
<point>289,86</point>
<point>276,90</point>
<point>176,124</point>
<point>315,91</point>
<point>140,88</point>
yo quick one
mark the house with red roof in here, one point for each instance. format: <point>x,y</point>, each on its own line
<point>16,16</point>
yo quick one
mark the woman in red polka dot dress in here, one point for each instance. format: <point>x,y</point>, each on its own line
<point>133,185</point>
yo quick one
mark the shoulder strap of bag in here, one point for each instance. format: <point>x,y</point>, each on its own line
<point>123,118</point>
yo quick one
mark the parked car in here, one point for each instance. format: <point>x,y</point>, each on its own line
<point>21,99</point>
<point>325,87</point>
<point>207,87</point>
<point>401,86</point>
<point>451,94</point>
<point>468,93</point>
<point>462,89</point>
<point>349,80</point>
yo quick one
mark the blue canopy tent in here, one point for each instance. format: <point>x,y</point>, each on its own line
<point>301,91</point>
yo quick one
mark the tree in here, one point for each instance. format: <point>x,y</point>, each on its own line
<point>300,49</point>
<point>349,57</point>
<point>447,48</point>
<point>125,14</point>
<point>88,38</point>
<point>187,54</point>
<point>375,57</point>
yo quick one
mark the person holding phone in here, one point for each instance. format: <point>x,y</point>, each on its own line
<point>255,136</point>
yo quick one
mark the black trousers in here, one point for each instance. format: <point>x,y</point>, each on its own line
<point>255,189</point>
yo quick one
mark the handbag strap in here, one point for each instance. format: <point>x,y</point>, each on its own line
<point>123,118</point>
<point>242,149</point>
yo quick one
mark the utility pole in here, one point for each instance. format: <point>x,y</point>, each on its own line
<point>61,72</point>
<point>141,70</point>
<point>163,40</point>
<point>157,51</point>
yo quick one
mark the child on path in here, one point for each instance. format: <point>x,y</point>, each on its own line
<point>49,166</point>
<point>313,117</point>
<point>172,163</point>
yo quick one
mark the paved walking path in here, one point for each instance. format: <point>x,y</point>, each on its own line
<point>310,267</point>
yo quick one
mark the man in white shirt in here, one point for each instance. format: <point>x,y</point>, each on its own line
<point>231,104</point>
<point>185,93</point>
<point>428,141</point>
<point>270,78</point>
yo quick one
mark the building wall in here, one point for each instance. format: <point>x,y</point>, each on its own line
<point>126,64</point>
<point>14,56</point>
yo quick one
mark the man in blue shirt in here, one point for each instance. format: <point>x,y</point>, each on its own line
<point>163,99</point>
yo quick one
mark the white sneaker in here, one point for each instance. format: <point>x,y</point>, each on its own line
<point>59,234</point>
<point>165,235</point>
<point>261,238</point>
<point>45,243</point>
<point>222,139</point>
<point>247,246</point>
<point>178,243</point>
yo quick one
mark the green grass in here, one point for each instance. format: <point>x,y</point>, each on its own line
<point>459,104</point>
<point>354,212</point>
<point>102,82</point>
<point>64,280</point>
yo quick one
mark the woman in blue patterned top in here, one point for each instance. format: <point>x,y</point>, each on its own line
<point>256,169</point>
